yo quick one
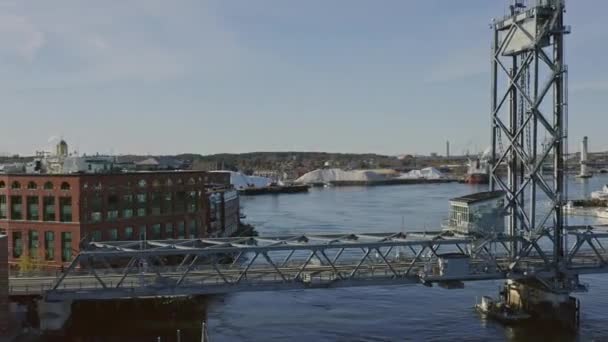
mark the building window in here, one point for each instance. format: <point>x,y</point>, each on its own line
<point>49,245</point>
<point>129,233</point>
<point>156,232</point>
<point>95,216</point>
<point>127,200</point>
<point>3,210</point>
<point>96,235</point>
<point>65,186</point>
<point>142,183</point>
<point>192,201</point>
<point>155,183</point>
<point>17,244</point>
<point>34,243</point>
<point>155,199</point>
<point>141,204</point>
<point>16,185</point>
<point>112,207</point>
<point>48,186</point>
<point>180,181</point>
<point>192,229</point>
<point>127,213</point>
<point>32,209</point>
<point>167,206</point>
<point>180,202</point>
<point>16,208</point>
<point>65,207</point>
<point>168,230</point>
<point>113,234</point>
<point>191,181</point>
<point>66,246</point>
<point>142,233</point>
<point>112,215</point>
<point>96,207</point>
<point>49,208</point>
<point>2,185</point>
<point>181,230</point>
<point>169,182</point>
<point>32,186</point>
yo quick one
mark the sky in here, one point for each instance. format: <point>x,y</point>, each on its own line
<point>215,76</point>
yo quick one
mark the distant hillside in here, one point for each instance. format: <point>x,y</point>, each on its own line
<point>292,162</point>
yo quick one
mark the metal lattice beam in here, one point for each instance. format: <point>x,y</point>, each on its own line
<point>525,42</point>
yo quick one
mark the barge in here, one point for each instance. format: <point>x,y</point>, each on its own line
<point>274,189</point>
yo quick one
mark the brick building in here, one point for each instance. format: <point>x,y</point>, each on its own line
<point>3,285</point>
<point>224,212</point>
<point>46,216</point>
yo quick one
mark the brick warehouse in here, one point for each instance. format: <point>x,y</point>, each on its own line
<point>46,216</point>
<point>3,285</point>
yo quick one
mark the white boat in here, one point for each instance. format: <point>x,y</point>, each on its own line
<point>601,194</point>
<point>599,212</point>
<point>497,310</point>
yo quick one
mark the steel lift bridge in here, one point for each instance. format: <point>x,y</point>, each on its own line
<point>539,255</point>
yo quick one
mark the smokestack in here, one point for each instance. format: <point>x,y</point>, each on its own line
<point>584,147</point>
<point>447,149</point>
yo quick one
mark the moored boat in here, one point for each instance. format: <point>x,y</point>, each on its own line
<point>499,311</point>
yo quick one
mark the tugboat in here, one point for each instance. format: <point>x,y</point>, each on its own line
<point>478,172</point>
<point>499,311</point>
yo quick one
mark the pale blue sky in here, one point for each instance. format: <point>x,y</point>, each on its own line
<point>152,76</point>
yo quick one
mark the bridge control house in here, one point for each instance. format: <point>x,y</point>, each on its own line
<point>478,213</point>
<point>46,216</point>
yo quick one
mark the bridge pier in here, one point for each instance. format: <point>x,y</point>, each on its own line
<point>542,304</point>
<point>54,315</point>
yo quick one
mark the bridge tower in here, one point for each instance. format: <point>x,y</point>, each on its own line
<point>529,118</point>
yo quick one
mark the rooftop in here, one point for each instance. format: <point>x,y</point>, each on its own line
<point>479,196</point>
<point>108,173</point>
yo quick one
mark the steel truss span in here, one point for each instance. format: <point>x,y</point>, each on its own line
<point>135,269</point>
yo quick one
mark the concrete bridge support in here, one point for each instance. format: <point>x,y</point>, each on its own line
<point>54,315</point>
<point>542,304</point>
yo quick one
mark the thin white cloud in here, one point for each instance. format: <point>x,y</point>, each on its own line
<point>19,37</point>
<point>121,41</point>
<point>459,65</point>
<point>595,85</point>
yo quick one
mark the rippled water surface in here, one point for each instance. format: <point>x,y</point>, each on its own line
<point>396,313</point>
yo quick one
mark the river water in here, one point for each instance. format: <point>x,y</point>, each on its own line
<point>392,313</point>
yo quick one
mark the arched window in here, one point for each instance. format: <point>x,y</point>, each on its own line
<point>32,186</point>
<point>16,185</point>
<point>65,186</point>
<point>180,181</point>
<point>155,183</point>
<point>142,183</point>
<point>191,181</point>
<point>85,186</point>
<point>48,186</point>
<point>2,185</point>
<point>169,182</point>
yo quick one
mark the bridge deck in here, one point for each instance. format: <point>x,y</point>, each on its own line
<point>209,266</point>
